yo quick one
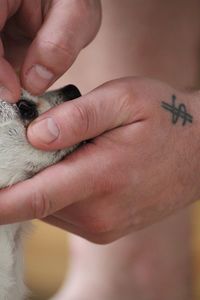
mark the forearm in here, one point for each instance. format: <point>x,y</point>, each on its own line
<point>139,38</point>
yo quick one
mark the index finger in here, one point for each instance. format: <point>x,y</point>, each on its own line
<point>9,83</point>
<point>75,179</point>
<point>68,26</point>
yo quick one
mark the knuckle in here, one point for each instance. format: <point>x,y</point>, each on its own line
<point>89,9</point>
<point>93,14</point>
<point>95,226</point>
<point>82,115</point>
<point>133,102</point>
<point>40,205</point>
<point>88,5</point>
<point>64,53</point>
<point>101,239</point>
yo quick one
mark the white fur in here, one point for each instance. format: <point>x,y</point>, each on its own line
<point>11,263</point>
<point>18,161</point>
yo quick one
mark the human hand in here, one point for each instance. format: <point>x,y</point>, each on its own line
<point>137,168</point>
<point>42,39</point>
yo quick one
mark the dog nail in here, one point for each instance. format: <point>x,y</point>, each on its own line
<point>45,130</point>
<point>5,94</point>
<point>38,78</point>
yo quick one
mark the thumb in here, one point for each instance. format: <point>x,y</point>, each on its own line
<point>103,109</point>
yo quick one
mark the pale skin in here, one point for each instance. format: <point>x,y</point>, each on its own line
<point>140,168</point>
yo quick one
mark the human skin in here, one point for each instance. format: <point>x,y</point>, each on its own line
<point>41,39</point>
<point>154,263</point>
<point>151,256</point>
<point>138,168</point>
<point>106,189</point>
<point>141,263</point>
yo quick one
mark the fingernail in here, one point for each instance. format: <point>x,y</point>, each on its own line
<point>38,78</point>
<point>46,131</point>
<point>5,94</point>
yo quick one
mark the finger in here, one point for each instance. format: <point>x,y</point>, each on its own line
<point>9,83</point>
<point>68,27</point>
<point>105,108</point>
<point>62,224</point>
<point>81,176</point>
<point>8,8</point>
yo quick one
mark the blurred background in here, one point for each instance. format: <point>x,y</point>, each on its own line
<point>46,258</point>
<point>196,249</point>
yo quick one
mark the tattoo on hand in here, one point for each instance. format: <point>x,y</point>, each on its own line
<point>177,112</point>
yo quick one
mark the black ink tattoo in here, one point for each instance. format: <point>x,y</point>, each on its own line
<point>177,112</point>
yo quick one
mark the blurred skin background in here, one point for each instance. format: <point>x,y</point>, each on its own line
<point>47,257</point>
<point>125,46</point>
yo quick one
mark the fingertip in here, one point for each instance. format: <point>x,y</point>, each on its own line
<point>37,79</point>
<point>45,62</point>
<point>42,133</point>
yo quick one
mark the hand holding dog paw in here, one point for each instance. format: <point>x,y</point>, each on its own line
<point>42,39</point>
<point>139,165</point>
